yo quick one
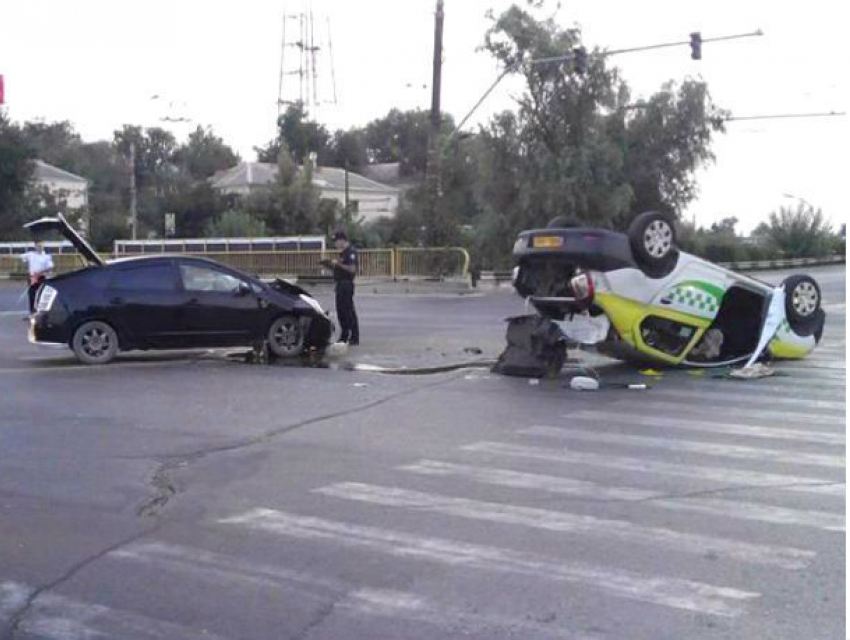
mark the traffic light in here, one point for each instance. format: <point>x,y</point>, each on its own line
<point>696,45</point>
<point>580,60</point>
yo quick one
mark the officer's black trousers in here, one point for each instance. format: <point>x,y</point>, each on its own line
<point>350,330</point>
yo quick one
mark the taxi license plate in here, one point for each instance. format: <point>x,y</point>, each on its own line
<point>547,242</point>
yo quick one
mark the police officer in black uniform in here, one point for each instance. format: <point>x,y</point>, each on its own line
<point>344,269</point>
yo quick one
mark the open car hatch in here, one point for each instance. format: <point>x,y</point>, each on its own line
<point>43,225</point>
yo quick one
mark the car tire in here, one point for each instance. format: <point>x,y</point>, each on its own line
<point>652,237</point>
<point>94,342</point>
<point>802,301</point>
<point>286,337</point>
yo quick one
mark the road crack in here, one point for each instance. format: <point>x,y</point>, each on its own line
<point>17,618</point>
<point>165,488</point>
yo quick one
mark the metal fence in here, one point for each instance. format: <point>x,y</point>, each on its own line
<point>393,263</point>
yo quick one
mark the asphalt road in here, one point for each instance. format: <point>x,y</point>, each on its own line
<point>187,495</point>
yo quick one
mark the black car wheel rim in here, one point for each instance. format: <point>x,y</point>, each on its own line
<point>805,299</point>
<point>96,342</point>
<point>658,238</point>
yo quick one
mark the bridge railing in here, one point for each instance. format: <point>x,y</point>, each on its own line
<point>390,263</point>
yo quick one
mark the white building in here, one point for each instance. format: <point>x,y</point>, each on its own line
<point>367,199</point>
<point>62,185</point>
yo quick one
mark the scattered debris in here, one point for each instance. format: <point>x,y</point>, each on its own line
<point>752,372</point>
<point>651,372</point>
<point>583,383</point>
<point>336,349</point>
<point>709,346</point>
<point>536,348</point>
<point>473,350</point>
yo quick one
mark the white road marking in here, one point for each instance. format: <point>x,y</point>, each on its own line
<point>13,596</point>
<point>690,446</point>
<point>345,595</point>
<point>59,618</point>
<point>726,413</point>
<point>837,348</point>
<point>821,366</point>
<point>669,592</point>
<point>782,385</point>
<point>392,604</point>
<point>586,489</point>
<point>747,395</point>
<point>725,476</point>
<point>546,520</point>
<point>703,426</point>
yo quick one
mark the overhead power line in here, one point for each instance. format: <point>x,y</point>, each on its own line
<point>777,116</point>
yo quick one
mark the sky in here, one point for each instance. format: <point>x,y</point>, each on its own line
<point>99,64</point>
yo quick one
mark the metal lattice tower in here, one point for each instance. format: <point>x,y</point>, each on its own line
<point>301,54</point>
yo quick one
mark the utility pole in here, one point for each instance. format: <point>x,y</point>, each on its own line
<point>432,170</point>
<point>133,218</point>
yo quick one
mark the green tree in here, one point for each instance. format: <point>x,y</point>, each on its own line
<point>400,136</point>
<point>289,206</point>
<point>347,149</point>
<point>195,206</point>
<point>798,232</point>
<point>577,146</point>
<point>157,177</point>
<point>299,135</point>
<point>667,137</point>
<point>235,224</point>
<point>16,157</point>
<point>203,154</point>
<point>55,143</point>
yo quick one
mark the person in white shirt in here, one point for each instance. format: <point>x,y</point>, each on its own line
<point>39,265</point>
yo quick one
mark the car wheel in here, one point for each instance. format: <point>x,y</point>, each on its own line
<point>286,337</point>
<point>94,342</point>
<point>652,237</point>
<point>802,300</point>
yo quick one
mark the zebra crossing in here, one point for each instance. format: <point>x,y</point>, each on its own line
<point>553,481</point>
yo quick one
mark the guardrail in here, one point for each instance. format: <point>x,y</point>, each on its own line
<point>392,263</point>
<point>496,278</point>
<point>751,265</point>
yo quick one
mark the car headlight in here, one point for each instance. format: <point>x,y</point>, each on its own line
<point>313,303</point>
<point>514,274</point>
<point>46,298</point>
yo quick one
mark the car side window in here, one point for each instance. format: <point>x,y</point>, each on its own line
<point>155,277</point>
<point>198,278</point>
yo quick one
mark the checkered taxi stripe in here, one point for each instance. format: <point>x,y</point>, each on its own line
<point>693,298</point>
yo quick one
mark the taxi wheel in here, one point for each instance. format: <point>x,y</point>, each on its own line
<point>652,237</point>
<point>94,342</point>
<point>802,300</point>
<point>286,337</point>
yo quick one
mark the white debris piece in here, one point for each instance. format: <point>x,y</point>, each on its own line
<point>583,383</point>
<point>752,372</point>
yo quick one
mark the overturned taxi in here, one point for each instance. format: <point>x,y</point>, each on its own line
<point>637,297</point>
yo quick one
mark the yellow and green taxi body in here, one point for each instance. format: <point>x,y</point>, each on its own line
<point>685,310</point>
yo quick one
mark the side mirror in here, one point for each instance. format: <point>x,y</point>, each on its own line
<point>243,289</point>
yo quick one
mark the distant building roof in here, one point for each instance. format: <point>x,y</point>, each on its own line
<point>385,172</point>
<point>248,174</point>
<point>47,172</point>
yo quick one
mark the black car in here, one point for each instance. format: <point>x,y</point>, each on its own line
<point>169,302</point>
